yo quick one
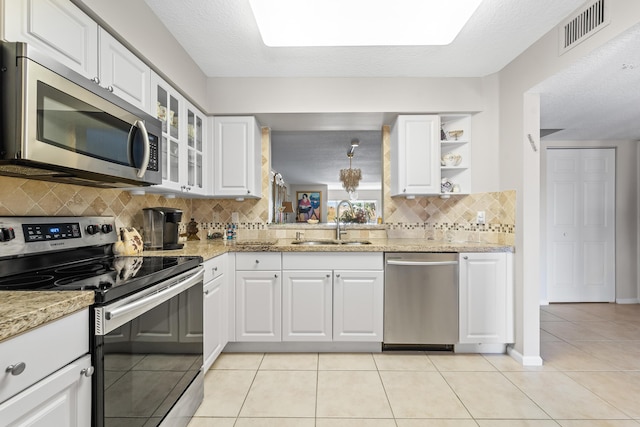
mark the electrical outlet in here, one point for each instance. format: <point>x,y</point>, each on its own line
<point>480,217</point>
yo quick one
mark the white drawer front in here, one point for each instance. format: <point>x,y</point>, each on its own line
<point>333,261</point>
<point>256,261</point>
<point>214,267</point>
<point>43,350</point>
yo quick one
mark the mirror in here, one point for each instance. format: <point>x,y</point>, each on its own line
<point>309,162</point>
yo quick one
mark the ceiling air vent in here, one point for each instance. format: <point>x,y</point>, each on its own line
<point>583,24</point>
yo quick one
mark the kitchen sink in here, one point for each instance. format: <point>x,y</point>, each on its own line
<point>330,242</point>
<point>314,242</point>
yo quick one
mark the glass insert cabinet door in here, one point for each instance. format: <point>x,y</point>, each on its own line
<point>168,111</point>
<point>195,135</point>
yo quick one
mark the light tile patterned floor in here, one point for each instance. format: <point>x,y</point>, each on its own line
<point>591,378</point>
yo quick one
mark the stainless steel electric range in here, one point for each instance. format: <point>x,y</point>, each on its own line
<point>146,323</point>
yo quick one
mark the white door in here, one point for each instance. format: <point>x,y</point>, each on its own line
<point>581,225</point>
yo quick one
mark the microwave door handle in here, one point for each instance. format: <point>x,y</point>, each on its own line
<point>147,151</point>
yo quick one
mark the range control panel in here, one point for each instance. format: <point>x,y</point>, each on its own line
<point>28,235</point>
<point>38,232</point>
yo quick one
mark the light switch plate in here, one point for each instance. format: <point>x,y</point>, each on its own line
<point>480,217</point>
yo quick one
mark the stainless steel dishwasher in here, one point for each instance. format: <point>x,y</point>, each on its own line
<point>420,301</point>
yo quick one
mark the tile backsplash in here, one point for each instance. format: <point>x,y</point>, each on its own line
<point>422,217</point>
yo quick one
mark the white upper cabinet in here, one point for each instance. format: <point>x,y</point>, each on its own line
<point>122,73</point>
<point>183,141</point>
<point>62,31</point>
<point>56,27</point>
<point>415,155</point>
<point>237,155</point>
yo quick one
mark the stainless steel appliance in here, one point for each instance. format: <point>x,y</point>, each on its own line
<point>56,125</point>
<point>160,228</point>
<point>420,301</point>
<point>146,343</point>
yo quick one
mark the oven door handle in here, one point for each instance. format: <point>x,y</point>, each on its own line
<point>117,316</point>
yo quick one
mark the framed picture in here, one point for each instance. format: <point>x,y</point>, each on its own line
<point>309,205</point>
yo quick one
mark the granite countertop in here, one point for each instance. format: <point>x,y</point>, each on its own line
<point>212,248</point>
<point>21,311</point>
<point>24,310</point>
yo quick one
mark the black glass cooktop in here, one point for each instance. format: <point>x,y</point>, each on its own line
<point>111,277</point>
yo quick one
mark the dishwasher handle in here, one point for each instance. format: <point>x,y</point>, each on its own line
<point>419,263</point>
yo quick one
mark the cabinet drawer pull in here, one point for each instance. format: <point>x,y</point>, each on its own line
<point>257,261</point>
<point>215,268</point>
<point>465,257</point>
<point>16,369</point>
<point>328,275</point>
<point>87,372</point>
<point>337,275</point>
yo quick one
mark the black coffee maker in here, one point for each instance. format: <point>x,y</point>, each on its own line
<point>161,228</point>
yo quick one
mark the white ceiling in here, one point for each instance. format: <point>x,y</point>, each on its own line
<point>596,99</point>
<point>223,39</point>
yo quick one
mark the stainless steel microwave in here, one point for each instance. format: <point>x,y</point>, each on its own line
<point>57,125</point>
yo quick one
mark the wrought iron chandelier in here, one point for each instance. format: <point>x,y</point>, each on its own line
<point>351,177</point>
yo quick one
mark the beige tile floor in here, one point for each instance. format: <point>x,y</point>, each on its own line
<point>591,378</point>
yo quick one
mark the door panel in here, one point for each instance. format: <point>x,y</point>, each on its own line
<point>580,225</point>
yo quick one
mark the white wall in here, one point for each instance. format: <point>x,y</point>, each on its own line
<point>518,162</point>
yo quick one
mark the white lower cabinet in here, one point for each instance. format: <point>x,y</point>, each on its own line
<point>307,305</point>
<point>358,299</point>
<point>486,298</point>
<point>332,297</point>
<point>47,391</point>
<point>258,305</point>
<point>61,399</point>
<point>216,310</point>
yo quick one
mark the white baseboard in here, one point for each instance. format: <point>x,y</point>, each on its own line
<point>627,301</point>
<point>524,360</point>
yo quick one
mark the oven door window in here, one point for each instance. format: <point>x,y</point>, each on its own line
<point>69,123</point>
<point>150,361</point>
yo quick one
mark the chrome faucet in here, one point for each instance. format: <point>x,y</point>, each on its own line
<point>339,232</point>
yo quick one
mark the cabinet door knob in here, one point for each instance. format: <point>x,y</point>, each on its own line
<point>257,261</point>
<point>87,372</point>
<point>337,275</point>
<point>206,292</point>
<point>16,369</point>
<point>248,191</point>
<point>96,80</point>
<point>275,275</point>
<point>328,275</point>
<point>465,257</point>
<point>215,268</point>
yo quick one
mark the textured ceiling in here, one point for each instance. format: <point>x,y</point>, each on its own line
<point>223,39</point>
<point>597,98</point>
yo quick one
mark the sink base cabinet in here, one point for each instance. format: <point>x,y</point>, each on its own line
<point>302,298</point>
<point>307,305</point>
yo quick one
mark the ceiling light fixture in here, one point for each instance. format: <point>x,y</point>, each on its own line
<point>361,22</point>
<point>350,178</point>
